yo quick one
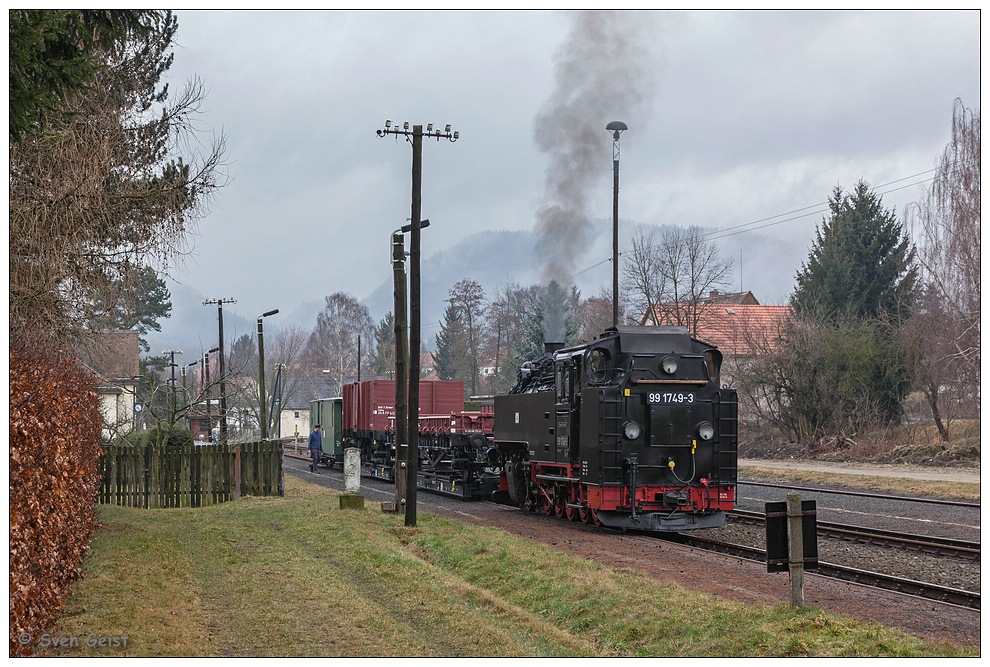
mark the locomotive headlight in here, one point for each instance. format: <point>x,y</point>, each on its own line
<point>631,430</point>
<point>706,431</point>
<point>668,365</point>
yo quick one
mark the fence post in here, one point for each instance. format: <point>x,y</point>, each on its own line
<point>237,472</point>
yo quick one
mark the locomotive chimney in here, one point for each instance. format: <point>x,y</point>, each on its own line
<point>550,348</point>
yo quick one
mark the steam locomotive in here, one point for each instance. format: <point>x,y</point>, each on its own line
<point>631,430</point>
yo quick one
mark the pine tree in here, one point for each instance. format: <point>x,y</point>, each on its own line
<point>384,363</point>
<point>445,361</point>
<point>860,263</point>
<point>853,293</point>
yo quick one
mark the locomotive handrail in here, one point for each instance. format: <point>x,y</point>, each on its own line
<point>700,383</point>
<point>557,478</point>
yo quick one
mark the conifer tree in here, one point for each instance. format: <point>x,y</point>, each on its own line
<point>860,263</point>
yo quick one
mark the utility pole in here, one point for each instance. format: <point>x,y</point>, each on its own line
<point>184,390</point>
<point>223,377</point>
<point>206,391</point>
<point>615,127</point>
<point>262,415</point>
<point>417,135</point>
<point>172,354</point>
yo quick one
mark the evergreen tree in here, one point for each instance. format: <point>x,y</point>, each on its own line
<point>860,263</point>
<point>98,182</point>
<point>853,293</point>
<point>445,359</point>
<point>384,362</point>
<point>139,302</point>
<point>56,53</point>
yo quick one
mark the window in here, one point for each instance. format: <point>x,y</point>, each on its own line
<point>297,414</point>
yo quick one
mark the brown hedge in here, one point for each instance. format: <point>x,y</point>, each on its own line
<point>55,427</point>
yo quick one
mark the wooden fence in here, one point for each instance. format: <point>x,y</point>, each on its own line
<point>190,475</point>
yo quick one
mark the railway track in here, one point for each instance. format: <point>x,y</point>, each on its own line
<point>943,594</point>
<point>941,546</point>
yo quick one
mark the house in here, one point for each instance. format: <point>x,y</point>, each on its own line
<point>741,327</point>
<point>743,330</point>
<point>112,356</point>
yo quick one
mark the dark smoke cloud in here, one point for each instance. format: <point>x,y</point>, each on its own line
<point>605,70</point>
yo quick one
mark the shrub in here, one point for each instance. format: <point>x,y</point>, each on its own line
<point>166,435</point>
<point>55,427</point>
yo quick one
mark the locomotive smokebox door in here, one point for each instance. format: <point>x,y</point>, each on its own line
<point>777,535</point>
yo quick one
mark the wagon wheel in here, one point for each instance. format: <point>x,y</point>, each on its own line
<point>594,517</point>
<point>585,515</point>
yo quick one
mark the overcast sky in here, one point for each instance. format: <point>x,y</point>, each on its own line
<point>734,118</point>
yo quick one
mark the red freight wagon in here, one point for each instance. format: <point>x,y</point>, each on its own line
<point>461,422</point>
<point>369,405</point>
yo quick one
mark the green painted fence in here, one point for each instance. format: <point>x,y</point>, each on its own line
<point>190,475</point>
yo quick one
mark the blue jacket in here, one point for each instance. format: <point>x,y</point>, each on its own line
<point>316,440</point>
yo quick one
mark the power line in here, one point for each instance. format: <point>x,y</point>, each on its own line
<point>749,226</point>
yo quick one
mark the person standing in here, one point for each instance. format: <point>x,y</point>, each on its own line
<point>315,448</point>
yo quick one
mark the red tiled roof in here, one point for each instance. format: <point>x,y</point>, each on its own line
<point>743,329</point>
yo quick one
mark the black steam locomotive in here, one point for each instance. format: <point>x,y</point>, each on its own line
<point>630,431</point>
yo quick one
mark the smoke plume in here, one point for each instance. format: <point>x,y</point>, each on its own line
<point>604,71</point>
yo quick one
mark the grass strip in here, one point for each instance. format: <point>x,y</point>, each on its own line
<point>296,576</point>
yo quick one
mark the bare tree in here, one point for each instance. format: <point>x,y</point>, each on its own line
<point>593,315</point>
<point>946,226</point>
<point>115,185</point>
<point>669,278</point>
<point>333,344</point>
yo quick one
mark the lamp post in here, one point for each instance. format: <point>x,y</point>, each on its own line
<point>223,394</point>
<point>279,386</point>
<point>417,134</point>
<point>615,127</point>
<point>262,416</point>
<point>401,361</point>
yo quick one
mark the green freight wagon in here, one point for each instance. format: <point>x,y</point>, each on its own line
<point>327,413</point>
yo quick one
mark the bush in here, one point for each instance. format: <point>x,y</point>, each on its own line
<point>55,428</point>
<point>166,435</point>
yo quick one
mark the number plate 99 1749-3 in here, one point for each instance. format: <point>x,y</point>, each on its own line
<point>675,397</point>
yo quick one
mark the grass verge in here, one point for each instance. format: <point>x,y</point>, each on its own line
<point>296,576</point>
<point>899,486</point>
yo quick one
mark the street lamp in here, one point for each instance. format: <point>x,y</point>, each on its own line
<point>417,135</point>
<point>223,393</point>
<point>615,127</point>
<point>263,417</point>
<point>401,360</point>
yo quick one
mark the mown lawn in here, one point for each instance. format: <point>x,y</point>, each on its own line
<point>296,576</point>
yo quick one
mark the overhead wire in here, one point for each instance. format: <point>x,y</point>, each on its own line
<point>818,208</point>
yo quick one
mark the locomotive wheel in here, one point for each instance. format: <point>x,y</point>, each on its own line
<point>570,513</point>
<point>559,507</point>
<point>585,515</point>
<point>546,505</point>
<point>594,517</point>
